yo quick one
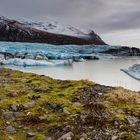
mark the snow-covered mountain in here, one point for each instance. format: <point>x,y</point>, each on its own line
<point>57,28</point>
<point>47,32</point>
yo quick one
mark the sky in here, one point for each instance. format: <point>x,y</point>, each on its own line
<point>116,21</point>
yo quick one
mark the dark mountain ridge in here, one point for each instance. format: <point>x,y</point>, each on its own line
<point>19,31</point>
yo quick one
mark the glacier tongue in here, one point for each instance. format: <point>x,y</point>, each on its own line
<point>54,51</point>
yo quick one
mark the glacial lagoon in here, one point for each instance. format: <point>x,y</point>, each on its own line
<point>103,71</point>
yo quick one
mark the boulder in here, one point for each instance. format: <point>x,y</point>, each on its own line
<point>30,134</point>
<point>10,115</point>
<point>29,104</point>
<point>67,136</point>
<point>10,129</point>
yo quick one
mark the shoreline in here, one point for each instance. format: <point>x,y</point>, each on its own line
<point>101,72</point>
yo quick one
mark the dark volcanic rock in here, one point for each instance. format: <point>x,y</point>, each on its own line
<point>123,51</point>
<point>12,30</point>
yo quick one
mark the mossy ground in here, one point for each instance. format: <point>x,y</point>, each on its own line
<point>84,108</point>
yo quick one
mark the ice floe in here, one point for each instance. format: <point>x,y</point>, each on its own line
<point>133,71</point>
<point>30,62</point>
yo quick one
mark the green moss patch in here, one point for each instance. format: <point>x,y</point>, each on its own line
<point>53,108</point>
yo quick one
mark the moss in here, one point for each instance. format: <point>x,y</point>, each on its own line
<point>120,118</point>
<point>18,88</point>
<point>128,136</point>
<point>27,85</point>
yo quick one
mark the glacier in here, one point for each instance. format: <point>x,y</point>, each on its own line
<point>55,51</point>
<point>39,54</point>
<point>133,71</point>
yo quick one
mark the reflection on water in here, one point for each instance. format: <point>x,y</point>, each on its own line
<point>106,72</point>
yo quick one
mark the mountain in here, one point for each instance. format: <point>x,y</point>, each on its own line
<point>45,32</point>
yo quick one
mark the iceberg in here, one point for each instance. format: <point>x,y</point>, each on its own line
<point>133,71</point>
<point>30,62</point>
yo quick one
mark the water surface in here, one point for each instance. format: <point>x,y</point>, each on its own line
<point>104,71</point>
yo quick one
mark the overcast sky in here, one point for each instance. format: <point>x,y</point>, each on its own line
<point>116,21</point>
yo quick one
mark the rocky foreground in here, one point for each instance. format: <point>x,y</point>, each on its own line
<point>41,108</point>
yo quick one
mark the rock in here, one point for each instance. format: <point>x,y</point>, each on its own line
<point>33,119</point>
<point>10,138</point>
<point>67,136</point>
<point>35,97</point>
<point>100,94</point>
<point>120,111</point>
<point>114,138</point>
<point>116,124</point>
<point>10,115</point>
<point>48,138</point>
<point>30,134</point>
<point>8,123</point>
<point>99,106</point>
<point>25,128</point>
<point>132,119</point>
<point>29,104</point>
<point>28,113</point>
<point>14,107</point>
<point>13,94</point>
<point>10,129</point>
<point>65,111</point>
<point>49,119</point>
<point>77,104</point>
<point>54,106</point>
<point>16,114</point>
<point>84,136</point>
<point>75,99</point>
<point>61,95</point>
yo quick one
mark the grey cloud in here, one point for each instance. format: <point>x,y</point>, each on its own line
<point>101,15</point>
